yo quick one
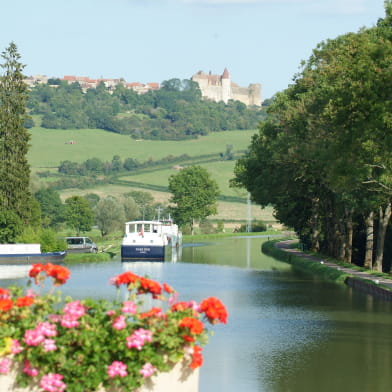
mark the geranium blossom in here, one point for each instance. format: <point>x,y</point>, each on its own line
<point>5,365</point>
<point>147,370</point>
<point>6,304</point>
<point>33,337</point>
<point>197,358</point>
<point>126,278</point>
<point>52,382</point>
<point>24,301</point>
<point>49,345</point>
<point>29,370</point>
<point>16,347</point>
<point>4,293</point>
<point>117,368</point>
<point>129,307</point>
<point>74,309</point>
<point>119,323</point>
<point>139,338</point>
<point>195,326</point>
<point>214,310</point>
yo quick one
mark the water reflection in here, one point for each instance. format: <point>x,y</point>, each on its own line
<point>287,331</point>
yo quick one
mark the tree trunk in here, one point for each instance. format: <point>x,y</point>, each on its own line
<point>315,226</point>
<point>369,240</point>
<point>384,217</point>
<point>349,236</point>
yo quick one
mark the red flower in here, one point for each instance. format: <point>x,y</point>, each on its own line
<point>24,301</point>
<point>150,286</point>
<point>214,310</point>
<point>36,269</point>
<point>151,313</point>
<point>126,278</point>
<point>197,358</point>
<point>195,326</point>
<point>4,293</point>
<point>168,288</point>
<point>58,272</point>
<point>180,306</point>
<point>6,304</point>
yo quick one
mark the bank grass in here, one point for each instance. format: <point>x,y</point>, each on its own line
<point>322,270</point>
<point>188,238</point>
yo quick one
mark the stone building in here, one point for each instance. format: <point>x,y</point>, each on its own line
<point>220,88</point>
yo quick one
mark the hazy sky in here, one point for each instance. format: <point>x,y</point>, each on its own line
<point>259,41</point>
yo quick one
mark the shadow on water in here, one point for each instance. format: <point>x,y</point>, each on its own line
<point>287,331</point>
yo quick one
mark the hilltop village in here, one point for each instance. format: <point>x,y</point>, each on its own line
<point>216,88</point>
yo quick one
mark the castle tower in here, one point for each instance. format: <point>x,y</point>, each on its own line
<point>226,86</point>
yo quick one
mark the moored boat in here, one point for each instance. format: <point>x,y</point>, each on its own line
<point>25,254</point>
<point>172,232</point>
<point>143,240</point>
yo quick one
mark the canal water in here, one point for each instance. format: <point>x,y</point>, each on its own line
<point>287,331</point>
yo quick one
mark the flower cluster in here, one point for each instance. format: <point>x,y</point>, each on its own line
<point>61,345</point>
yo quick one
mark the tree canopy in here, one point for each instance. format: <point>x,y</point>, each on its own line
<point>15,197</point>
<point>175,111</point>
<point>323,158</point>
<point>194,194</point>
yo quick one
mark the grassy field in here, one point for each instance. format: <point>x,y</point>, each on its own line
<point>50,147</point>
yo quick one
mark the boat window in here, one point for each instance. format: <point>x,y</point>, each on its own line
<point>139,227</point>
<point>155,229</point>
<point>147,227</point>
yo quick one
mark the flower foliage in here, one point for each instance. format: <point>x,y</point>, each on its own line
<point>79,345</point>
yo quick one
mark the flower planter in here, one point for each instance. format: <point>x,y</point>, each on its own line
<point>180,379</point>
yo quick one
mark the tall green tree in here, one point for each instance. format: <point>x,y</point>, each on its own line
<point>323,160</point>
<point>194,194</point>
<point>15,196</point>
<point>109,215</point>
<point>52,208</point>
<point>78,214</point>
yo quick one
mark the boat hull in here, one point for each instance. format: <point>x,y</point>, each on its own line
<point>142,252</point>
<point>28,259</point>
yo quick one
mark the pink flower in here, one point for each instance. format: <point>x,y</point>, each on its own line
<point>29,370</point>
<point>111,312</point>
<point>31,293</point>
<point>5,365</point>
<point>117,368</point>
<point>129,307</point>
<point>49,345</point>
<point>16,347</point>
<point>68,321</point>
<point>46,329</point>
<point>74,309</point>
<point>52,383</point>
<point>119,323</point>
<point>33,337</point>
<point>138,338</point>
<point>147,370</point>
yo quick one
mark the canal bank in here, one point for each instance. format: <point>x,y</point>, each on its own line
<point>372,284</point>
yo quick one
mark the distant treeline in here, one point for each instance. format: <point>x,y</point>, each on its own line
<point>174,112</point>
<point>95,166</point>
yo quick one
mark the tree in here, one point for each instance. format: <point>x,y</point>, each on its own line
<point>323,159</point>
<point>52,208</point>
<point>194,195</point>
<point>15,196</point>
<point>109,215</point>
<point>78,214</point>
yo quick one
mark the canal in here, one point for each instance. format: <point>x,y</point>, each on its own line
<point>288,331</point>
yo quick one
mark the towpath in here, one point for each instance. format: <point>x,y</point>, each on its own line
<point>379,282</point>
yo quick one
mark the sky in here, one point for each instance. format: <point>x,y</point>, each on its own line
<point>258,41</point>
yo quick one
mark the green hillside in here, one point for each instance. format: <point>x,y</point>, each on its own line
<point>50,147</point>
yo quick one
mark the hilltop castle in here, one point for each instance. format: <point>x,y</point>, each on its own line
<point>220,88</point>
